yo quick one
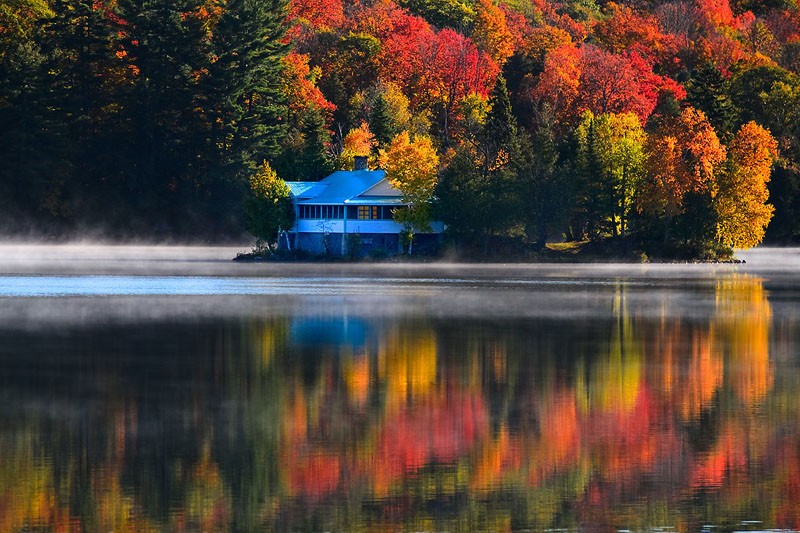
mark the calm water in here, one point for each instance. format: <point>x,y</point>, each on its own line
<point>169,389</point>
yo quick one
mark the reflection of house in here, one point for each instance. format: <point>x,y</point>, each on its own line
<point>349,209</point>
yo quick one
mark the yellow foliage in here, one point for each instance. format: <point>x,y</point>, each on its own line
<point>407,363</point>
<point>355,373</point>
<point>615,379</point>
<point>742,323</point>
<point>411,166</point>
<point>742,205</point>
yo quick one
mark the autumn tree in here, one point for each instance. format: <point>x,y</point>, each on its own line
<point>305,153</point>
<point>682,161</point>
<point>625,29</point>
<point>412,167</point>
<point>453,67</point>
<point>268,207</point>
<point>491,33</point>
<point>741,203</point>
<point>358,142</point>
<point>559,83</point>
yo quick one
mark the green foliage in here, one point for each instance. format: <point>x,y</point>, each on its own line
<point>709,91</point>
<point>443,13</point>
<point>460,198</point>
<point>243,92</point>
<point>381,123</point>
<point>304,154</point>
<point>268,207</point>
<point>500,127</point>
<point>542,185</point>
<point>139,116</point>
<point>748,86</point>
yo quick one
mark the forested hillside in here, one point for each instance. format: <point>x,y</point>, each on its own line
<point>569,119</point>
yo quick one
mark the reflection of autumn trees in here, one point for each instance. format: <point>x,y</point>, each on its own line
<point>742,321</point>
<point>622,421</point>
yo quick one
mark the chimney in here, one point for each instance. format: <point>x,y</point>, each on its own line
<point>360,162</point>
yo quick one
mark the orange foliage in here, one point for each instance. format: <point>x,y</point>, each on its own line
<point>703,379</point>
<point>311,475</point>
<point>317,14</point>
<point>742,322</point>
<point>360,140</point>
<point>544,39</point>
<point>517,25</point>
<point>559,82</point>
<point>299,84</point>
<point>624,443</point>
<point>589,78</point>
<point>559,446</point>
<point>496,458</point>
<point>454,68</point>
<point>626,30</point>
<point>716,12</point>
<point>440,428</point>
<point>356,376</point>
<point>682,157</point>
<point>491,33</point>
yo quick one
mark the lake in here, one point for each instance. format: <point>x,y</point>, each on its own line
<point>171,389</point>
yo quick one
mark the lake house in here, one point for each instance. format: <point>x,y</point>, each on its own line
<point>350,213</point>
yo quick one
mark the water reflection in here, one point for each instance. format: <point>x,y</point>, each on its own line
<point>332,421</point>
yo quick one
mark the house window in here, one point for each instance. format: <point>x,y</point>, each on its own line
<point>321,211</point>
<point>370,212</point>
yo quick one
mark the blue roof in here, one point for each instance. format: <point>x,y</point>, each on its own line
<point>340,187</point>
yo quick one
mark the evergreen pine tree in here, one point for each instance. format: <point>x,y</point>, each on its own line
<point>500,129</point>
<point>543,196</point>
<point>313,162</point>
<point>70,111</point>
<point>381,123</point>
<point>709,91</point>
<point>243,94</point>
<point>168,154</point>
<point>498,144</point>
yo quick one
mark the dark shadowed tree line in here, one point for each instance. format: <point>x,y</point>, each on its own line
<point>139,117</point>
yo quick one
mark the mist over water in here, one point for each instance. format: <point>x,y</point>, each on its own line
<point>170,388</point>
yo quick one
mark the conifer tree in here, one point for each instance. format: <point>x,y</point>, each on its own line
<point>544,197</point>
<point>381,122</point>
<point>710,92</point>
<point>244,82</point>
<point>500,129</point>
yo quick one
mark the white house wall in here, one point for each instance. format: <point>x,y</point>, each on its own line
<point>353,226</point>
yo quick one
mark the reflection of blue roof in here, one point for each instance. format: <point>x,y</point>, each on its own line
<point>317,331</point>
<point>340,187</point>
